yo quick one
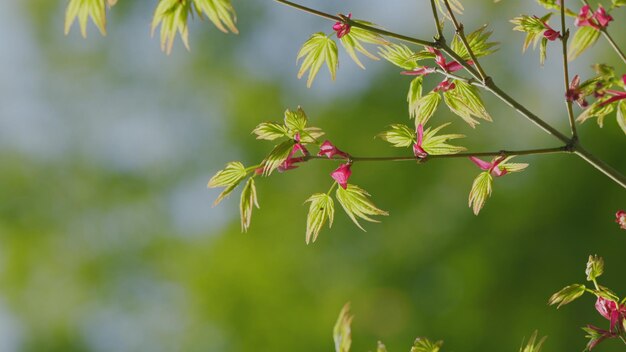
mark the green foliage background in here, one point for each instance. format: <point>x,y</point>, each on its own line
<point>108,241</point>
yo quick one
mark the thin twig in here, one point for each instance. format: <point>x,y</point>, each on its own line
<point>461,33</point>
<point>568,102</point>
<point>439,37</point>
<point>613,44</point>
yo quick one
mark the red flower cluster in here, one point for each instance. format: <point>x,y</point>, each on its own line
<point>620,218</point>
<point>598,20</point>
<point>342,28</point>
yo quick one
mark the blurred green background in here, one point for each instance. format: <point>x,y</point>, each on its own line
<point>108,241</point>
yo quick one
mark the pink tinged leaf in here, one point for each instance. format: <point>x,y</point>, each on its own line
<point>329,150</point>
<point>419,152</point>
<point>497,172</point>
<point>445,86</point>
<point>420,71</point>
<point>624,79</point>
<point>420,134</point>
<point>342,174</point>
<point>616,96</point>
<point>483,165</point>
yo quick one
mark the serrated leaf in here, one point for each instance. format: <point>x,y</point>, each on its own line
<point>455,5</point>
<point>478,41</point>
<point>414,95</point>
<point>543,50</point>
<point>248,200</point>
<point>270,131</point>
<point>426,107</point>
<point>595,267</point>
<point>584,38</point>
<point>464,100</point>
<point>435,144</point>
<point>353,42</point>
<point>220,12</point>
<point>423,344</point>
<point>567,295</point>
<point>83,10</point>
<point>321,209</point>
<point>532,26</point>
<point>555,5</point>
<point>621,115</point>
<point>295,120</point>
<point>481,190</point>
<point>533,345</point>
<point>276,157</point>
<point>596,110</point>
<point>342,333</point>
<point>311,135</point>
<point>172,16</point>
<point>512,167</point>
<point>400,136</point>
<point>399,55</point>
<point>316,51</point>
<point>229,177</point>
<point>356,204</point>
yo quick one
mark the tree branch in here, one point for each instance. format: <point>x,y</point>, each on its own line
<point>568,103</point>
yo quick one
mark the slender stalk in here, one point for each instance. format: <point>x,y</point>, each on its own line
<point>505,153</point>
<point>600,165</point>
<point>439,37</point>
<point>461,33</point>
<point>608,37</point>
<point>568,103</point>
<point>357,24</point>
<point>472,81</point>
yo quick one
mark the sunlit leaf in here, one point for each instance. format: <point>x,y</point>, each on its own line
<point>229,177</point>
<point>356,203</point>
<point>248,200</point>
<point>321,209</point>
<point>596,110</point>
<point>220,12</point>
<point>316,51</point>
<point>399,55</point>
<point>595,267</point>
<point>276,157</point>
<point>543,50</point>
<point>478,41</point>
<point>511,167</point>
<point>399,136</point>
<point>353,42</point>
<point>270,131</point>
<point>556,5</point>
<point>481,190</point>
<point>172,16</point>
<point>342,333</point>
<point>455,5</point>
<point>414,96</point>
<point>381,347</point>
<point>295,120</point>
<point>435,144</point>
<point>83,10</point>
<point>584,38</point>
<point>621,115</point>
<point>533,345</point>
<point>423,344</point>
<point>426,107</point>
<point>567,295</point>
<point>465,101</point>
<point>532,26</point>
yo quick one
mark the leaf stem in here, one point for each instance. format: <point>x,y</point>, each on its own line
<point>568,103</point>
<point>608,37</point>
<point>357,24</point>
<point>460,31</point>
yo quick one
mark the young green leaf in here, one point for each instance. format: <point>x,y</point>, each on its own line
<point>584,38</point>
<point>83,10</point>
<point>556,5</point>
<point>423,344</point>
<point>512,167</point>
<point>270,131</point>
<point>532,26</point>
<point>533,345</point>
<point>435,144</point>
<point>342,333</point>
<point>455,5</point>
<point>621,115</point>
<point>618,3</point>
<point>596,110</point>
<point>295,121</point>
<point>381,347</point>
<point>276,157</point>
<point>543,50</point>
<point>220,12</point>
<point>414,96</point>
<point>426,107</point>
<point>353,42</point>
<point>400,136</point>
<point>595,267</point>
<point>481,190</point>
<point>478,41</point>
<point>356,204</point>
<point>172,16</point>
<point>567,295</point>
<point>322,208</point>
<point>465,101</point>
<point>229,177</point>
<point>399,55</point>
<point>315,51</point>
<point>248,200</point>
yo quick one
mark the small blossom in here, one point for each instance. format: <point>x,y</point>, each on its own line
<point>611,311</point>
<point>549,32</point>
<point>620,218</point>
<point>574,93</point>
<point>492,167</point>
<point>342,28</point>
<point>417,147</point>
<point>598,20</point>
<point>445,86</point>
<point>598,335</point>
<point>328,149</point>
<point>342,174</point>
<point>290,162</point>
<point>441,62</point>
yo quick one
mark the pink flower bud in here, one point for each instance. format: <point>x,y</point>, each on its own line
<point>342,28</point>
<point>551,34</point>
<point>602,16</point>
<point>328,149</point>
<point>620,218</point>
<point>417,147</point>
<point>611,311</point>
<point>342,174</point>
<point>492,167</point>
